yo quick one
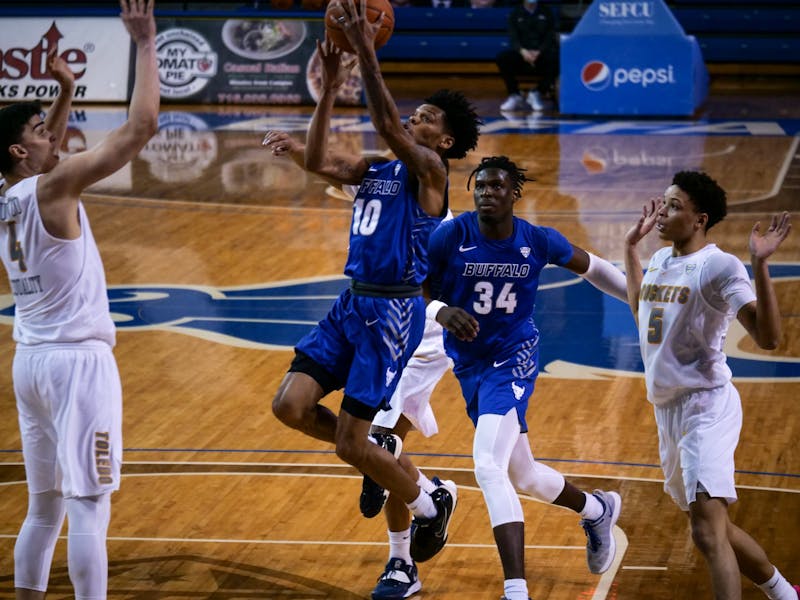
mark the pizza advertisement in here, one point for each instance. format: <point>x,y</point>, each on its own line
<point>245,61</point>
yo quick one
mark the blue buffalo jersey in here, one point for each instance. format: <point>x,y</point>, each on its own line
<point>389,232</point>
<point>493,280</point>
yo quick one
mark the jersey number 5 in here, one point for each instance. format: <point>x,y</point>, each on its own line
<point>506,299</point>
<point>655,326</point>
<point>14,247</point>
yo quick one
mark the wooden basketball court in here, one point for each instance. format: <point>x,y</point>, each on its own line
<point>218,254</point>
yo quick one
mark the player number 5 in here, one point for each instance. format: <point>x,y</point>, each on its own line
<point>656,325</point>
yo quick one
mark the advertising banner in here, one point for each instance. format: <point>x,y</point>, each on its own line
<point>244,61</point>
<point>93,53</point>
<point>631,58</point>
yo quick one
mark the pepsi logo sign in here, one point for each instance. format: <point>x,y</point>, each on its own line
<point>596,75</point>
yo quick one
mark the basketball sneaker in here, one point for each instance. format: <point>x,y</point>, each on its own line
<point>373,496</point>
<point>399,580</point>
<point>600,543</point>
<point>514,102</point>
<point>538,102</point>
<point>428,536</point>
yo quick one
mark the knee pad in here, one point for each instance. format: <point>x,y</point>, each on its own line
<point>531,477</point>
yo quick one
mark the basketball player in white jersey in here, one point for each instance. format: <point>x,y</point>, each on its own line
<point>684,304</point>
<point>66,381</point>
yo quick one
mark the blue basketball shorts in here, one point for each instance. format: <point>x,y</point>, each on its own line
<point>495,386</point>
<point>365,342</point>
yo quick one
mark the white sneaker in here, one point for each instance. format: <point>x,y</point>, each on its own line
<point>535,100</point>
<point>514,102</point>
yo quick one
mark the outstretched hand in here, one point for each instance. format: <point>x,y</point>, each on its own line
<point>281,143</point>
<point>645,223</point>
<point>357,29</point>
<point>57,69</point>
<point>137,15</point>
<point>762,246</point>
<point>335,69</point>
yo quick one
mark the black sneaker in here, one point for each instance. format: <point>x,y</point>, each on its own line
<point>373,496</point>
<point>428,536</point>
<point>399,580</point>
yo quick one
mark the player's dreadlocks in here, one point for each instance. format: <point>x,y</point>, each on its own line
<point>462,121</point>
<point>517,174</point>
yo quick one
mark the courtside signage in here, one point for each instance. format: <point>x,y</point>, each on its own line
<point>631,58</point>
<point>95,54</point>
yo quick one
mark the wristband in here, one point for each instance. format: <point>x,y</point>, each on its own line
<point>433,308</point>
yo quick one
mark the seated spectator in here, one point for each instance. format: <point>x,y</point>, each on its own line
<point>534,51</point>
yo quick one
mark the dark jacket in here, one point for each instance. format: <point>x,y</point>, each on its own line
<point>532,31</point>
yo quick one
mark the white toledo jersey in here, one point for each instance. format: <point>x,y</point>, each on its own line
<point>685,307</point>
<point>59,286</point>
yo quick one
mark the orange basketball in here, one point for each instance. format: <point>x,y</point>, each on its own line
<point>333,27</point>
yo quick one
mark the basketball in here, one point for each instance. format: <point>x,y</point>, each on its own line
<point>333,27</point>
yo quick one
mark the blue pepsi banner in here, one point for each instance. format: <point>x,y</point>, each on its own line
<point>631,58</point>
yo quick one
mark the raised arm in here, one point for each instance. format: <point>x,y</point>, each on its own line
<point>422,162</point>
<point>762,318</point>
<point>633,266</point>
<point>59,189</point>
<point>58,113</point>
<point>335,167</point>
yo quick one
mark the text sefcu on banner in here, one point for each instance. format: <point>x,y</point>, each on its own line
<point>631,58</point>
<point>244,61</point>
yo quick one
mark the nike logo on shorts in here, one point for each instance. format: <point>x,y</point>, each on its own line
<point>500,363</point>
<point>369,323</point>
<point>466,248</point>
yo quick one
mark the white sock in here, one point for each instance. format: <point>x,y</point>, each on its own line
<point>423,506</point>
<point>592,509</point>
<point>424,483</point>
<point>777,588</point>
<point>515,589</point>
<point>400,545</point>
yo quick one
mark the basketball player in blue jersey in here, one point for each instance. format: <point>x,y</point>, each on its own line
<point>684,304</point>
<point>484,274</point>
<point>369,334</point>
<point>410,409</point>
<point>66,381</point>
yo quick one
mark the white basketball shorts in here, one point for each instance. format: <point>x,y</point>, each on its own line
<point>697,438</point>
<point>419,378</point>
<point>69,400</point>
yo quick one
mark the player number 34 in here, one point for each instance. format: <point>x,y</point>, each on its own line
<point>506,299</point>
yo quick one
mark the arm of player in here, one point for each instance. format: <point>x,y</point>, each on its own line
<point>337,168</point>
<point>58,114</point>
<point>422,162</point>
<point>633,266</point>
<point>453,318</point>
<point>599,272</point>
<point>61,187</point>
<point>762,318</point>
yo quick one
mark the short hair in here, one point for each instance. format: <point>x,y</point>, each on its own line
<point>517,174</point>
<point>705,193</point>
<point>461,119</point>
<point>12,122</point>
